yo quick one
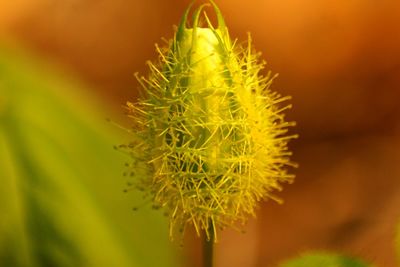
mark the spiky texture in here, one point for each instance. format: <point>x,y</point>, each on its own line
<point>210,136</point>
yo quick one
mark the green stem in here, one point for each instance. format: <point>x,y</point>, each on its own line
<point>208,247</point>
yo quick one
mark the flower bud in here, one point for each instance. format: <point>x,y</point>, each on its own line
<point>210,135</point>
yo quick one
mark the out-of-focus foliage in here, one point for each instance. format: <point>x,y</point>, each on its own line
<point>323,259</point>
<point>61,199</point>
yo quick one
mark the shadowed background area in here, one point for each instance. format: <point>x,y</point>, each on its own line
<point>340,60</point>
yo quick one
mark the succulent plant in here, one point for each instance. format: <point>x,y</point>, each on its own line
<point>210,139</point>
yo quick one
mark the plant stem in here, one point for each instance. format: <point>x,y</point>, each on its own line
<point>208,247</point>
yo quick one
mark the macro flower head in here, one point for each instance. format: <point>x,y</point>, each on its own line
<point>209,136</point>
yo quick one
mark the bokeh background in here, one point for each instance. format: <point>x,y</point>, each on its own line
<point>67,65</point>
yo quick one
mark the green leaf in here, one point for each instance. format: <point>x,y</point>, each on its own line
<point>323,259</point>
<point>61,197</point>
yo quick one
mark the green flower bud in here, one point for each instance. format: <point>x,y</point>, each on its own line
<point>210,136</point>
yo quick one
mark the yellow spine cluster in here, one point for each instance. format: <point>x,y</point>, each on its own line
<point>209,134</point>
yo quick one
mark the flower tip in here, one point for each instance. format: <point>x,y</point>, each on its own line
<point>182,24</point>
<point>196,15</point>
<point>220,18</point>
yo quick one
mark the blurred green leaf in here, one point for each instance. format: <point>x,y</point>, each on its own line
<point>61,199</point>
<point>322,259</point>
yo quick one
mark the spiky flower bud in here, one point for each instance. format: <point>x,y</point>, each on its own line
<point>210,135</point>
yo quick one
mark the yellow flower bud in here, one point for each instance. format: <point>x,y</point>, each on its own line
<point>210,135</point>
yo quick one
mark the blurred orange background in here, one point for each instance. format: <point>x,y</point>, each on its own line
<point>340,60</point>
